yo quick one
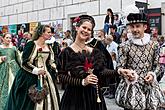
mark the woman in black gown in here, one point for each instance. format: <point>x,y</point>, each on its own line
<point>82,67</point>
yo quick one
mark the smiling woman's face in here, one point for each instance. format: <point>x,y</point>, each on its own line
<point>84,31</point>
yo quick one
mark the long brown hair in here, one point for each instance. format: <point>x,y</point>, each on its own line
<point>40,29</point>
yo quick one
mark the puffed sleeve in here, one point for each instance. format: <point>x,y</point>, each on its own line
<point>156,65</point>
<point>123,55</point>
<point>26,56</point>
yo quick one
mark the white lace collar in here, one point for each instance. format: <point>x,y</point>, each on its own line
<point>142,41</point>
<point>90,40</point>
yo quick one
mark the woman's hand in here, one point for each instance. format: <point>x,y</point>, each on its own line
<point>41,71</point>
<point>91,79</point>
<point>3,58</point>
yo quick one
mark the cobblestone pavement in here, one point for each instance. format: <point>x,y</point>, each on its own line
<point>111,105</point>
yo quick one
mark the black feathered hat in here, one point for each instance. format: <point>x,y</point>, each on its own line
<point>136,18</point>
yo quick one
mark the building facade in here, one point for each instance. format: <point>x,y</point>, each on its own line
<point>26,11</point>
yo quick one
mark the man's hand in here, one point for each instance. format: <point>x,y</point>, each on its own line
<point>127,73</point>
<point>149,78</point>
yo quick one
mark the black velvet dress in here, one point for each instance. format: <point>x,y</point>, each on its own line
<point>77,96</point>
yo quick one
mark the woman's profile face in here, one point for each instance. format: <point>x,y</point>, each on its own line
<point>47,34</point>
<point>85,30</point>
<point>7,39</point>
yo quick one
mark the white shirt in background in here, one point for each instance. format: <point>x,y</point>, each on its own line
<point>112,47</point>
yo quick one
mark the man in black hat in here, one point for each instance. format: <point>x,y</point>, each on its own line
<point>138,65</point>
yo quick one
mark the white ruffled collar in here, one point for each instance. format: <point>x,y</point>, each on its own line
<point>142,41</point>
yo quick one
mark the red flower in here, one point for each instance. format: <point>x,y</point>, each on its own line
<point>77,19</point>
<point>39,52</point>
<point>63,43</point>
<point>87,65</point>
<point>40,49</point>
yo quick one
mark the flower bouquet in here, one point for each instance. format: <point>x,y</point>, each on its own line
<point>38,93</point>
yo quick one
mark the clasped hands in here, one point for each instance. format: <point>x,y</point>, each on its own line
<point>130,75</point>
